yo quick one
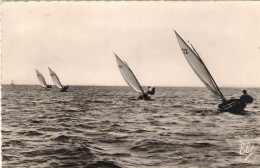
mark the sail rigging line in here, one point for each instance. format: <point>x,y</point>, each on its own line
<point>213,81</point>
<point>195,51</point>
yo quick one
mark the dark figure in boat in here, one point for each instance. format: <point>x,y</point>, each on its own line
<point>64,88</point>
<point>245,98</point>
<point>48,86</point>
<point>150,91</point>
<point>236,105</point>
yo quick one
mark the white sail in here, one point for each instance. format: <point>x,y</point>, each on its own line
<point>199,67</point>
<point>55,79</point>
<point>128,75</point>
<point>41,79</point>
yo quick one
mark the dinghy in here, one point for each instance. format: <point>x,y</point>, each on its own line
<point>130,78</point>
<point>42,80</point>
<point>200,69</point>
<point>57,82</point>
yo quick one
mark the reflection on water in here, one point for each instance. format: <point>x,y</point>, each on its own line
<point>101,127</point>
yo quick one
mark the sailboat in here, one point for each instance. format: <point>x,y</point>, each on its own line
<point>200,69</point>
<point>42,80</point>
<point>130,78</point>
<point>12,83</point>
<point>57,82</point>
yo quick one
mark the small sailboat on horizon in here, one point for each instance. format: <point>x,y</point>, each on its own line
<point>42,80</point>
<point>131,80</point>
<point>57,82</point>
<point>200,69</point>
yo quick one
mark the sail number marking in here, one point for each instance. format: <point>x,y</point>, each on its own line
<point>185,51</point>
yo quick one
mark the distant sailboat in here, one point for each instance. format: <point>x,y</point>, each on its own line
<point>12,83</point>
<point>200,69</point>
<point>42,80</point>
<point>130,78</point>
<point>57,82</point>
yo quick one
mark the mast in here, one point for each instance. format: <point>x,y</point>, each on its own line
<point>213,81</point>
<point>200,60</point>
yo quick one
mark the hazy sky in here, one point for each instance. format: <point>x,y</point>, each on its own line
<point>77,40</point>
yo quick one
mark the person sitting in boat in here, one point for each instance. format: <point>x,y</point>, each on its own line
<point>48,86</point>
<point>65,88</point>
<point>245,98</point>
<point>150,91</point>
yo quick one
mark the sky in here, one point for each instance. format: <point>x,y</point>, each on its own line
<point>77,41</point>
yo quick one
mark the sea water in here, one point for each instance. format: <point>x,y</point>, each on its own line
<point>94,126</point>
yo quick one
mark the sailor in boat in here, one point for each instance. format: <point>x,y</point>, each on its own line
<point>64,88</point>
<point>236,105</point>
<point>48,86</point>
<point>245,98</point>
<point>150,90</point>
<point>145,95</point>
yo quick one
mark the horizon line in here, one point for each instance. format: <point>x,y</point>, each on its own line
<point>142,86</point>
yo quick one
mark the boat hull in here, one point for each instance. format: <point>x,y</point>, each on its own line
<point>144,97</point>
<point>232,105</point>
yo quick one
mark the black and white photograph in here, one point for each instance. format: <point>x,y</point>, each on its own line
<point>130,84</point>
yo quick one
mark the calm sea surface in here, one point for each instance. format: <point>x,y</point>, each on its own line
<point>100,127</point>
